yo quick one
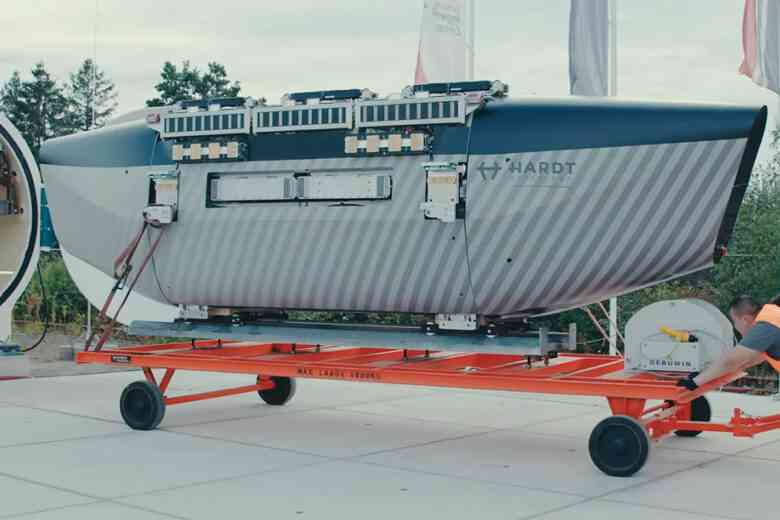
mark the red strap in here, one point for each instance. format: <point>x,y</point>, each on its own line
<point>124,259</point>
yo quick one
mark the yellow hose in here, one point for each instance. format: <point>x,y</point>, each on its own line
<point>683,336</point>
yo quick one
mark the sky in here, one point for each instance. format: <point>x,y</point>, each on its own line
<point>668,49</point>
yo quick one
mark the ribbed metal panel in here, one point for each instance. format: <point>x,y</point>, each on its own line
<point>325,116</point>
<point>623,218</point>
<point>206,123</point>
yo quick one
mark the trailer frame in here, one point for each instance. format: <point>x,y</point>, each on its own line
<point>619,445</point>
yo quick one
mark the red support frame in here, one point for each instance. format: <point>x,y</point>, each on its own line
<point>570,374</point>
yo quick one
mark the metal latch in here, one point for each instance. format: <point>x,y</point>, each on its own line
<point>193,312</point>
<point>445,190</point>
<point>457,322</point>
<point>163,198</point>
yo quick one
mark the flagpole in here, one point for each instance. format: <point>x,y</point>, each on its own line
<point>472,31</point>
<point>613,302</point>
<point>613,86</point>
<point>94,65</point>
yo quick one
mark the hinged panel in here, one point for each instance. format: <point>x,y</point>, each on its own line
<point>301,187</point>
<point>251,188</point>
<point>346,187</point>
<point>443,193</point>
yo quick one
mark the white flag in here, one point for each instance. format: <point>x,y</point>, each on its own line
<point>444,47</point>
<point>589,47</point>
<point>761,43</point>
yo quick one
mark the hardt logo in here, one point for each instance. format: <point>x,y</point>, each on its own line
<point>489,170</point>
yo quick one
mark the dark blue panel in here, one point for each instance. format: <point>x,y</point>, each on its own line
<point>203,104</point>
<point>133,144</point>
<point>450,139</point>
<point>563,124</point>
<point>501,127</point>
<point>301,145</point>
<point>330,95</point>
<point>448,88</point>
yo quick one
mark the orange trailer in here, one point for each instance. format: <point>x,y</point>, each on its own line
<point>645,407</point>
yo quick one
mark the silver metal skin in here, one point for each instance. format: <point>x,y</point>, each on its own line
<point>454,203</point>
<point>619,219</point>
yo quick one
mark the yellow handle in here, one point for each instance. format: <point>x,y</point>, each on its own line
<point>682,336</point>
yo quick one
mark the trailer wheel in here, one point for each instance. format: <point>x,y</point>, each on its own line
<point>619,446</point>
<point>281,393</point>
<point>701,411</point>
<point>142,405</point>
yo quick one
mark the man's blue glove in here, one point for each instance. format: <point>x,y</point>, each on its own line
<point>688,383</point>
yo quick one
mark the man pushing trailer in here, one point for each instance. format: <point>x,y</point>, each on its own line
<point>760,330</point>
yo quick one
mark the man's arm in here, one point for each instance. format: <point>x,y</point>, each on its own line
<point>740,358</point>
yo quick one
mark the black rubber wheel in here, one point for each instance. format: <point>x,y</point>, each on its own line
<point>281,393</point>
<point>619,446</point>
<point>142,405</point>
<point>701,412</point>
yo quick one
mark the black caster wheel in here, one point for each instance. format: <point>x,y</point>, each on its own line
<point>700,412</point>
<point>142,405</point>
<point>619,446</point>
<point>281,393</point>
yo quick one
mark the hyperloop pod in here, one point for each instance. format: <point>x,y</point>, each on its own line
<point>444,199</point>
<point>20,192</point>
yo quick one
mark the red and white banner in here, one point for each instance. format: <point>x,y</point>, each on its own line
<point>761,43</point>
<point>444,46</point>
<point>589,48</point>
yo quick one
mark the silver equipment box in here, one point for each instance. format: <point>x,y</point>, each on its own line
<point>649,348</point>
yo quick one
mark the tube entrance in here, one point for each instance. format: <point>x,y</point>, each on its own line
<point>19,213</point>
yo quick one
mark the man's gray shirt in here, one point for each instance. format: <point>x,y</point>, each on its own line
<point>763,337</point>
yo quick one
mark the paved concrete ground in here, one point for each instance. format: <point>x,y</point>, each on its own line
<point>349,450</point>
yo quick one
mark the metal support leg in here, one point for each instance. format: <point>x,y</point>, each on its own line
<point>632,407</point>
<point>150,376</point>
<point>166,380</point>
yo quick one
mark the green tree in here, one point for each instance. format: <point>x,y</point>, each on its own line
<point>38,107</point>
<point>188,83</point>
<point>753,263</point>
<point>214,83</point>
<point>13,103</point>
<point>92,97</point>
